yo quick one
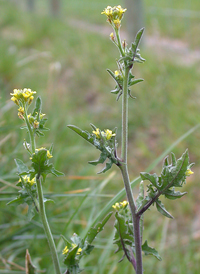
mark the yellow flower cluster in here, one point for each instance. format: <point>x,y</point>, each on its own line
<point>114,15</point>
<point>22,95</point>
<point>66,250</point>
<point>33,121</point>
<point>120,205</point>
<point>21,113</point>
<point>108,134</point>
<point>48,153</point>
<point>27,180</point>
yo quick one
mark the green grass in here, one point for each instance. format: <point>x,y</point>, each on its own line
<point>167,106</point>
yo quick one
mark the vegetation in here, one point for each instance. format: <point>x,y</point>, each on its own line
<point>47,55</point>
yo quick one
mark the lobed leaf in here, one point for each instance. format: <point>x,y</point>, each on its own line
<point>150,251</point>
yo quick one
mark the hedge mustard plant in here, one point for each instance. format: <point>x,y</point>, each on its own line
<point>129,214</point>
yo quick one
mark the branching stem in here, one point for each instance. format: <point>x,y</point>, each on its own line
<point>125,175</point>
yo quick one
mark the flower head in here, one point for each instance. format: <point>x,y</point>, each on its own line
<point>112,37</point>
<point>97,133</point>
<point>22,95</point>
<point>65,250</point>
<point>26,180</point>
<point>114,15</point>
<point>121,205</point>
<point>109,134</point>
<point>21,113</point>
<point>189,172</point>
<point>36,124</point>
<point>79,249</point>
<point>48,152</point>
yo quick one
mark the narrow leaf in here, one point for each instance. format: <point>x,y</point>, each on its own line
<point>112,75</point>
<point>92,233</point>
<point>85,135</point>
<point>137,39</point>
<point>38,106</point>
<point>173,159</point>
<point>160,207</point>
<point>134,82</point>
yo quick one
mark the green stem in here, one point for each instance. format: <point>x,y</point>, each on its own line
<point>135,219</point>
<point>30,131</point>
<point>40,205</point>
<point>124,145</point>
<point>125,175</point>
<point>119,44</point>
<point>47,228</point>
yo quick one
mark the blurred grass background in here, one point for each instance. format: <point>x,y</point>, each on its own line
<point>64,59</point>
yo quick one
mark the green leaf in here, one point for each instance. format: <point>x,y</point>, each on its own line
<point>135,45</point>
<point>173,159</point>
<point>101,160</point>
<point>94,231</point>
<point>122,236</point>
<point>112,75</point>
<point>134,82</point>
<point>160,207</point>
<point>107,167</point>
<point>84,134</point>
<point>70,259</point>
<point>38,106</point>
<point>150,251</point>
<point>19,200</point>
<point>153,178</point>
<point>31,211</point>
<point>172,194</point>
<point>41,165</point>
<point>21,167</point>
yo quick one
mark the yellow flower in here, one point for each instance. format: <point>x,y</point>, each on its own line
<point>116,206</point>
<point>121,205</point>
<point>48,153</point>
<point>109,134</point>
<point>124,203</point>
<point>65,250</point>
<point>15,100</point>
<point>117,23</point>
<point>36,124</point>
<point>189,172</point>
<point>112,37</point>
<point>42,115</point>
<point>97,133</point>
<point>121,11</point>
<point>79,249</point>
<point>117,72</point>
<point>108,11</point>
<point>21,113</point>
<point>27,180</point>
<point>30,100</point>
